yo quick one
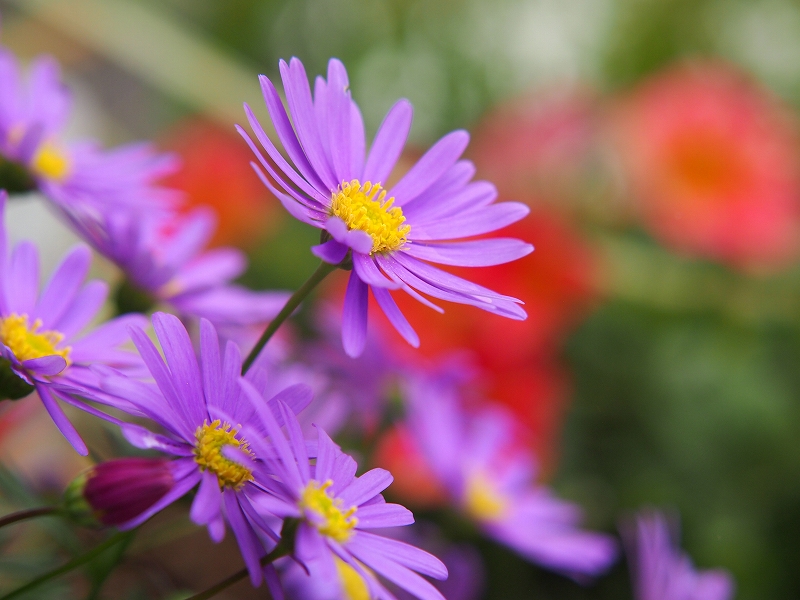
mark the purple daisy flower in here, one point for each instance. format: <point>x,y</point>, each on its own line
<point>165,260</point>
<point>493,481</point>
<point>41,344</point>
<point>660,571</point>
<point>202,412</point>
<point>392,234</point>
<point>33,112</point>
<point>333,511</point>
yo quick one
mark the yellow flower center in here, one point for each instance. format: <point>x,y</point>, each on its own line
<point>482,499</point>
<point>365,207</point>
<point>211,438</point>
<point>51,162</point>
<point>353,585</point>
<point>331,520</point>
<point>27,342</point>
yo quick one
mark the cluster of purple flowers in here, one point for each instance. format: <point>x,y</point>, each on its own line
<point>242,437</point>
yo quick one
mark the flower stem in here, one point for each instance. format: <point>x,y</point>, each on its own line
<point>74,563</point>
<point>27,514</point>
<point>323,270</point>
<point>279,551</point>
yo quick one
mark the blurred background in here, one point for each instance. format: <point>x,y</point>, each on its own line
<point>656,143</point>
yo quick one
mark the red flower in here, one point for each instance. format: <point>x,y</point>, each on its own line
<point>712,160</point>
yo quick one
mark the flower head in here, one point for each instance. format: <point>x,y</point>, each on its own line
<point>33,112</point>
<point>166,261</point>
<point>202,410</point>
<point>493,482</point>
<point>392,233</point>
<point>659,569</point>
<point>712,162</point>
<point>41,342</point>
<point>334,511</point>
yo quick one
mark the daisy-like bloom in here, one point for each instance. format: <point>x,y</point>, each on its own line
<point>202,411</point>
<point>493,482</point>
<point>33,112</point>
<point>332,510</point>
<point>41,344</point>
<point>391,233</point>
<point>165,260</point>
<point>712,161</point>
<point>660,571</point>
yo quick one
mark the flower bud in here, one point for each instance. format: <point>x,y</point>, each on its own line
<point>114,492</point>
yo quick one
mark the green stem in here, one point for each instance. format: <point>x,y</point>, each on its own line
<point>27,514</point>
<point>323,270</point>
<point>279,551</point>
<point>74,563</point>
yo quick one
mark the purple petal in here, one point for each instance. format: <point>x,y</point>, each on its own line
<point>472,222</point>
<point>366,487</point>
<point>332,252</point>
<point>396,318</point>
<point>47,366</point>
<point>84,308</point>
<point>211,364</point>
<point>186,477</point>
<point>338,116</point>
<point>66,428</point>
<point>22,279</point>
<point>207,503</point>
<point>63,286</point>
<point>354,318</point>
<point>326,456</point>
<point>357,142</point>
<point>145,439</point>
<point>296,440</point>
<point>474,253</point>
<point>405,554</point>
<point>249,545</point>
<point>286,134</point>
<point>296,397</point>
<point>376,516</point>
<point>433,164</point>
<point>394,572</point>
<point>368,272</point>
<point>389,142</point>
<point>298,95</point>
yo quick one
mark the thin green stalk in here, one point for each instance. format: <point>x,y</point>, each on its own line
<point>27,514</point>
<point>74,563</point>
<point>323,270</point>
<point>279,551</point>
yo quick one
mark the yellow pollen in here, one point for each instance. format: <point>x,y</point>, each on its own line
<point>51,162</point>
<point>329,518</point>
<point>211,438</point>
<point>482,500</point>
<point>26,342</point>
<point>353,585</point>
<point>365,207</point>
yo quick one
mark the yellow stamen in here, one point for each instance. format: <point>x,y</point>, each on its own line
<point>51,162</point>
<point>334,522</point>
<point>27,342</point>
<point>211,438</point>
<point>365,207</point>
<point>482,500</point>
<point>353,585</point>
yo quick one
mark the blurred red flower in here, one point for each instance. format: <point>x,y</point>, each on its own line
<point>216,172</point>
<point>712,160</point>
<point>518,360</point>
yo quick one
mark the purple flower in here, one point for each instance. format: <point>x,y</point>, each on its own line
<point>202,411</point>
<point>333,511</point>
<point>165,260</point>
<point>391,234</point>
<point>33,112</point>
<point>492,481</point>
<point>40,333</point>
<point>659,569</point>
